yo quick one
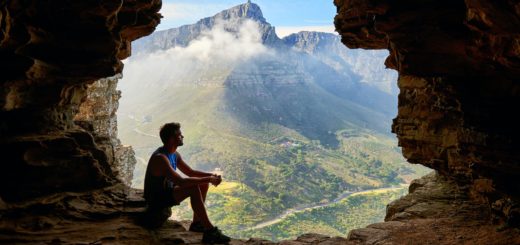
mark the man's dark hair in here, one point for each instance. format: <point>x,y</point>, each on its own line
<point>169,130</point>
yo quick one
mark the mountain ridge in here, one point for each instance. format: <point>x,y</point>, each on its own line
<point>183,35</point>
<point>327,47</point>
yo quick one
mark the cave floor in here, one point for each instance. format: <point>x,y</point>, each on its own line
<point>435,212</point>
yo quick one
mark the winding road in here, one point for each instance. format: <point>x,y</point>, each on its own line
<point>315,206</point>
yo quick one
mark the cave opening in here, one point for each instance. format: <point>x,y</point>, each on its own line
<point>458,70</point>
<point>269,108</point>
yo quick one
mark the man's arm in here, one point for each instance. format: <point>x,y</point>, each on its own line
<point>160,165</point>
<point>189,171</point>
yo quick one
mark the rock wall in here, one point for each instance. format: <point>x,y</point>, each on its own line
<point>458,64</point>
<point>57,178</point>
<point>97,115</point>
<point>49,53</point>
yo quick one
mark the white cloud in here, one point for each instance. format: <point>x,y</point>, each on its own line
<point>221,45</point>
<point>283,31</point>
<point>216,48</point>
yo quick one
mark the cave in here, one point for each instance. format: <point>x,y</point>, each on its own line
<point>65,175</point>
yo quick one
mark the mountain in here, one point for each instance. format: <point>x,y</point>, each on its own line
<point>182,36</point>
<point>292,120</point>
<point>308,62</point>
<point>328,48</point>
<point>325,46</point>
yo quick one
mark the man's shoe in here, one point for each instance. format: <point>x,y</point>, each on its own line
<point>214,236</point>
<point>196,227</point>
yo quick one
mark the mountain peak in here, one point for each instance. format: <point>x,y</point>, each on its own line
<point>311,41</point>
<point>247,10</point>
<point>232,17</point>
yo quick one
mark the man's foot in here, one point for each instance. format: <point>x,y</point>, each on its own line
<point>196,227</point>
<point>214,236</point>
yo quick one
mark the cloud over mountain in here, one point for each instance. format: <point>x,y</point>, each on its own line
<point>217,47</point>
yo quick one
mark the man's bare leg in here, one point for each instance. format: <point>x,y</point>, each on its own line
<point>197,203</point>
<point>203,191</point>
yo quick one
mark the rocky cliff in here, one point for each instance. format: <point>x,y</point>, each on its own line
<point>97,115</point>
<point>458,78</point>
<point>55,173</point>
<point>232,18</point>
<point>50,53</point>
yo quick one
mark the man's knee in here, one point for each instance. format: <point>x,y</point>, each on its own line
<point>204,186</point>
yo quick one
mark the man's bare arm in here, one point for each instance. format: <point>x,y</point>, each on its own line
<point>189,171</point>
<point>161,166</point>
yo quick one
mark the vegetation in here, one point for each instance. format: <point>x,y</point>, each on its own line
<point>337,219</point>
<point>230,205</point>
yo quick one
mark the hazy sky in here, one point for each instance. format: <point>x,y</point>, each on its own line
<point>288,16</point>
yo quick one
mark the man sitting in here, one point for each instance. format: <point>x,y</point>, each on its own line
<point>164,187</point>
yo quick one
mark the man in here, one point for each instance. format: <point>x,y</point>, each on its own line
<point>163,186</point>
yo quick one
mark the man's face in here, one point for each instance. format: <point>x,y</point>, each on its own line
<point>178,138</point>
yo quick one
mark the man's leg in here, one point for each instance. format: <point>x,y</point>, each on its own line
<point>203,191</point>
<point>196,200</point>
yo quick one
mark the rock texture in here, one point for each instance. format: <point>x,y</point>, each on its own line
<point>436,211</point>
<point>106,216</point>
<point>49,53</point>
<point>54,172</point>
<point>97,114</point>
<point>458,77</point>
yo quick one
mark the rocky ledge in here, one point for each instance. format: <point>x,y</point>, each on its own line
<point>436,211</point>
<point>106,216</point>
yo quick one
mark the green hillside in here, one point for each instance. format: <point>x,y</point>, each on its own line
<point>232,207</point>
<point>356,211</point>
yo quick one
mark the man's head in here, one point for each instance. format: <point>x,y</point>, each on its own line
<point>171,134</point>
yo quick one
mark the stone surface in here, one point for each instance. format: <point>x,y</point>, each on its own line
<point>436,211</point>
<point>50,52</point>
<point>97,114</point>
<point>110,216</point>
<point>39,165</point>
<point>458,78</point>
<point>105,216</point>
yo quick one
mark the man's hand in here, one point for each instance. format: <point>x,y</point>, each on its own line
<point>215,180</point>
<point>219,179</point>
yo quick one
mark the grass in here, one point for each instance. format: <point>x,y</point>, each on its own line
<point>225,187</point>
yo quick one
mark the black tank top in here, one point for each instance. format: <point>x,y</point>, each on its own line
<point>158,190</point>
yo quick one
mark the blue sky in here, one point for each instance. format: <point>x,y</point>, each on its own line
<point>287,16</point>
